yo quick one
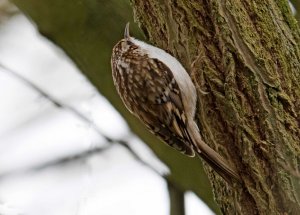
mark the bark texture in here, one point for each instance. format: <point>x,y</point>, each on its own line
<point>245,54</point>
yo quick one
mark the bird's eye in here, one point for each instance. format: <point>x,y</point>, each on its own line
<point>124,46</point>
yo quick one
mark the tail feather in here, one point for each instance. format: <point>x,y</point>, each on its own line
<point>218,163</point>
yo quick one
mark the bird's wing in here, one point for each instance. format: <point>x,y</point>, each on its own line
<point>160,105</point>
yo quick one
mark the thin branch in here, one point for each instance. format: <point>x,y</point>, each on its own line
<point>75,157</point>
<point>176,196</point>
<point>59,104</point>
<point>57,162</point>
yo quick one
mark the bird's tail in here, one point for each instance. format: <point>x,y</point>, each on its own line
<point>219,164</point>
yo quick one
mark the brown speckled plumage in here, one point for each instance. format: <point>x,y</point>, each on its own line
<point>151,93</point>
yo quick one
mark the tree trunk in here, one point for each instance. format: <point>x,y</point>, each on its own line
<point>245,54</point>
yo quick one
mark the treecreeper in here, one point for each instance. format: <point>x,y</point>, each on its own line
<point>156,88</point>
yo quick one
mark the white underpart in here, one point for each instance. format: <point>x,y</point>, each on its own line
<point>184,81</point>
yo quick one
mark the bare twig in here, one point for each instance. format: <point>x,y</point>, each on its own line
<point>57,162</point>
<point>74,157</point>
<point>59,104</point>
<point>176,196</point>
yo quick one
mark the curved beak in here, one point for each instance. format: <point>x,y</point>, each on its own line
<point>126,32</point>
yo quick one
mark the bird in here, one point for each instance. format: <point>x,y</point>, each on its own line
<point>155,87</point>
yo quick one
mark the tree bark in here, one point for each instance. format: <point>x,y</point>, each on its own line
<point>245,54</point>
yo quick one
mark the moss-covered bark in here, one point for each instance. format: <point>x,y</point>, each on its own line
<point>87,30</point>
<point>248,61</point>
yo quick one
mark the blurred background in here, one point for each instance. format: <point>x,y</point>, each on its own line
<point>64,150</point>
